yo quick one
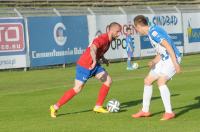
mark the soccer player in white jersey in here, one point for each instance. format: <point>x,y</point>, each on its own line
<point>165,64</point>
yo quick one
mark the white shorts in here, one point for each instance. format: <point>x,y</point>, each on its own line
<point>164,68</point>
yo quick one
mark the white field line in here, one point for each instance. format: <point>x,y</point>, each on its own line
<point>93,81</point>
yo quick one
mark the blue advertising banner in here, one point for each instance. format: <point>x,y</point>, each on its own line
<point>57,40</point>
<point>193,35</point>
<point>176,37</point>
<point>191,28</point>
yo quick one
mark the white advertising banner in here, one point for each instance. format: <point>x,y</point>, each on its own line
<point>12,43</point>
<point>92,28</point>
<point>118,46</point>
<point>191,27</point>
<point>12,61</point>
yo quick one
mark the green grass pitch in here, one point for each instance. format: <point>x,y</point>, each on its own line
<point>25,98</point>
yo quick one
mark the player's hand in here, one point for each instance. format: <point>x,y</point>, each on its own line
<point>107,62</point>
<point>177,68</point>
<point>151,64</point>
<point>93,65</point>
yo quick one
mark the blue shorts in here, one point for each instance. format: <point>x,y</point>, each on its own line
<point>83,74</point>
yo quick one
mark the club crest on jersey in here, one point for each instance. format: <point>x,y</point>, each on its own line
<point>154,33</point>
<point>59,34</point>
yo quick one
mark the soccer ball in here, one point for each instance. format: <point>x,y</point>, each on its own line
<point>113,106</point>
<point>135,65</point>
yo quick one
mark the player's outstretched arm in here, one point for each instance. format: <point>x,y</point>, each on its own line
<point>105,61</point>
<point>172,55</point>
<point>93,52</point>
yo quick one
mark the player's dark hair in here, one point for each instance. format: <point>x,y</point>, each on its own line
<point>128,28</point>
<point>141,20</point>
<point>114,24</point>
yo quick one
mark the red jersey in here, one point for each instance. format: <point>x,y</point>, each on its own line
<point>102,43</point>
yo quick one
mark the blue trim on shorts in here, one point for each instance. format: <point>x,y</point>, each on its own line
<point>83,74</point>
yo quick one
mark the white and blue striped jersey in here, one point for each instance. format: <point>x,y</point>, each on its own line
<point>156,35</point>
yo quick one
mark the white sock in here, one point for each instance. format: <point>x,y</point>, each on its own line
<point>165,95</point>
<point>147,97</point>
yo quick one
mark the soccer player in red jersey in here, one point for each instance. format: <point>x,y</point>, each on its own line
<point>88,66</point>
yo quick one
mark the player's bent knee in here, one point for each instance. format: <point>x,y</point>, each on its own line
<point>108,81</point>
<point>77,89</point>
<point>161,82</point>
<point>147,81</point>
<point>103,78</point>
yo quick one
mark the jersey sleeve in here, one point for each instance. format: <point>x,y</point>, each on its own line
<point>98,42</point>
<point>156,36</point>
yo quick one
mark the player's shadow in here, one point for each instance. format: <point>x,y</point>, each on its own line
<point>141,67</point>
<point>185,109</point>
<point>83,111</point>
<point>77,112</point>
<point>125,105</point>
